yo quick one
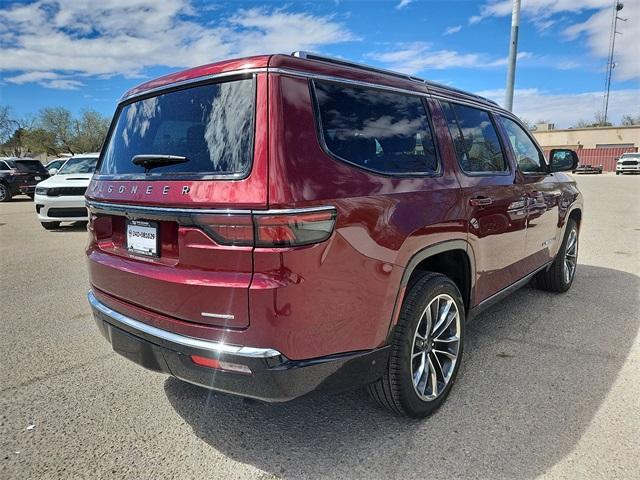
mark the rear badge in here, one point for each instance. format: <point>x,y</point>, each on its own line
<point>101,187</point>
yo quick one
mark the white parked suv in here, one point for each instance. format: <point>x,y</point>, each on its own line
<point>628,162</point>
<point>61,197</point>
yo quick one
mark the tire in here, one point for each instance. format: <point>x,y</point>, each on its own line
<point>5,193</point>
<point>50,225</point>
<point>617,173</point>
<point>556,278</point>
<point>396,390</point>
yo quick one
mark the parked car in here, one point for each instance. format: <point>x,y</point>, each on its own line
<point>277,225</point>
<point>628,163</point>
<point>61,197</point>
<point>588,169</point>
<point>54,165</point>
<point>19,176</point>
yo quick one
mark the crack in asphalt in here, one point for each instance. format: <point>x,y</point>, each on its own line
<point>59,373</point>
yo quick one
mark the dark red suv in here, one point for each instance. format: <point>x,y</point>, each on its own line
<point>277,225</point>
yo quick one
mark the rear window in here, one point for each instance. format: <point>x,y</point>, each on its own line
<point>30,166</point>
<point>382,131</point>
<point>211,125</point>
<point>79,165</point>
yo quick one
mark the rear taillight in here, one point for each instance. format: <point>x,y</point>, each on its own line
<point>290,228</point>
<point>293,229</point>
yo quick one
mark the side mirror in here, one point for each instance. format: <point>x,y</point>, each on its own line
<point>53,171</point>
<point>563,160</point>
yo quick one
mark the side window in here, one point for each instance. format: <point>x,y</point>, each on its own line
<point>381,131</point>
<point>529,158</point>
<point>3,166</point>
<point>475,139</point>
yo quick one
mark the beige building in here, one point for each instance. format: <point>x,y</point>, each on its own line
<point>594,137</point>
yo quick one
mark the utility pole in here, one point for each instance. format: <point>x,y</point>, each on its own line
<point>513,55</point>
<point>617,6</point>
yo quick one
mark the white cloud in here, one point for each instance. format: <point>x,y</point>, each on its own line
<point>46,79</point>
<point>75,38</point>
<point>416,57</point>
<point>403,3</point>
<point>567,109</point>
<point>595,30</point>
<point>32,77</point>
<point>63,84</point>
<point>544,8</point>
<point>452,30</point>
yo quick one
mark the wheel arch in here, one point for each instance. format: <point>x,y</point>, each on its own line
<point>442,258</point>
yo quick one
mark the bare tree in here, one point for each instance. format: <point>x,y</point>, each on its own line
<point>629,120</point>
<point>8,124</point>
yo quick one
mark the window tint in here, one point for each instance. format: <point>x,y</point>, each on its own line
<point>381,131</point>
<point>211,125</point>
<point>79,165</point>
<point>4,166</point>
<point>30,166</point>
<point>527,154</point>
<point>475,139</point>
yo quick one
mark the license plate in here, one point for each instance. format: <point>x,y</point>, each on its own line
<point>142,237</point>
<point>38,178</point>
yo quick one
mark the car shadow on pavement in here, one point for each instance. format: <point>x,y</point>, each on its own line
<point>537,367</point>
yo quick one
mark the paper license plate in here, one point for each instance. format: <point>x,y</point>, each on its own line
<point>142,237</point>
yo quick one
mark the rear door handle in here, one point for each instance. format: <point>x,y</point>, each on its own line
<point>480,201</point>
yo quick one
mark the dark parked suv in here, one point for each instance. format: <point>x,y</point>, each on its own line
<point>20,176</point>
<point>277,225</point>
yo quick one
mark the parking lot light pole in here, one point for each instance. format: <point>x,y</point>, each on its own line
<point>513,54</point>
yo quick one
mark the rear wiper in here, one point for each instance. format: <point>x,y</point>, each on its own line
<point>153,161</point>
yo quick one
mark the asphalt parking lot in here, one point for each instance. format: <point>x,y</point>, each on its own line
<point>550,385</point>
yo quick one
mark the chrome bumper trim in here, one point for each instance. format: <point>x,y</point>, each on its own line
<point>215,347</point>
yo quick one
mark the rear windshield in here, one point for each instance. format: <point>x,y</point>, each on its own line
<point>30,166</point>
<point>79,165</point>
<point>211,125</point>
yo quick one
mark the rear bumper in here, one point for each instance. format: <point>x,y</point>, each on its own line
<point>273,378</point>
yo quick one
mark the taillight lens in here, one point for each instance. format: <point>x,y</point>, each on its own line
<point>287,229</point>
<point>293,229</point>
<point>228,229</point>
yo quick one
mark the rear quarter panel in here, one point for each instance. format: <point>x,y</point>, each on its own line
<point>339,296</point>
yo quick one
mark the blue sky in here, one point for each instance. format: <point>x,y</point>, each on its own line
<point>83,54</point>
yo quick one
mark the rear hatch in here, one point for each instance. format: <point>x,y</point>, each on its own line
<point>171,198</point>
<point>30,172</point>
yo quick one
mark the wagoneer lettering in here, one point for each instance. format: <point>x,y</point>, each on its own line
<point>278,225</point>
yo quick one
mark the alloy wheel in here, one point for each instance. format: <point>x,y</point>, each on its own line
<point>3,193</point>
<point>435,349</point>
<point>571,256</point>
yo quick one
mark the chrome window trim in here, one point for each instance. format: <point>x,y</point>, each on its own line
<point>429,93</point>
<point>214,347</point>
<point>106,207</point>
<point>348,81</point>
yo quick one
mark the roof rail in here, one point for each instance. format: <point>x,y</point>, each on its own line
<point>349,63</point>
